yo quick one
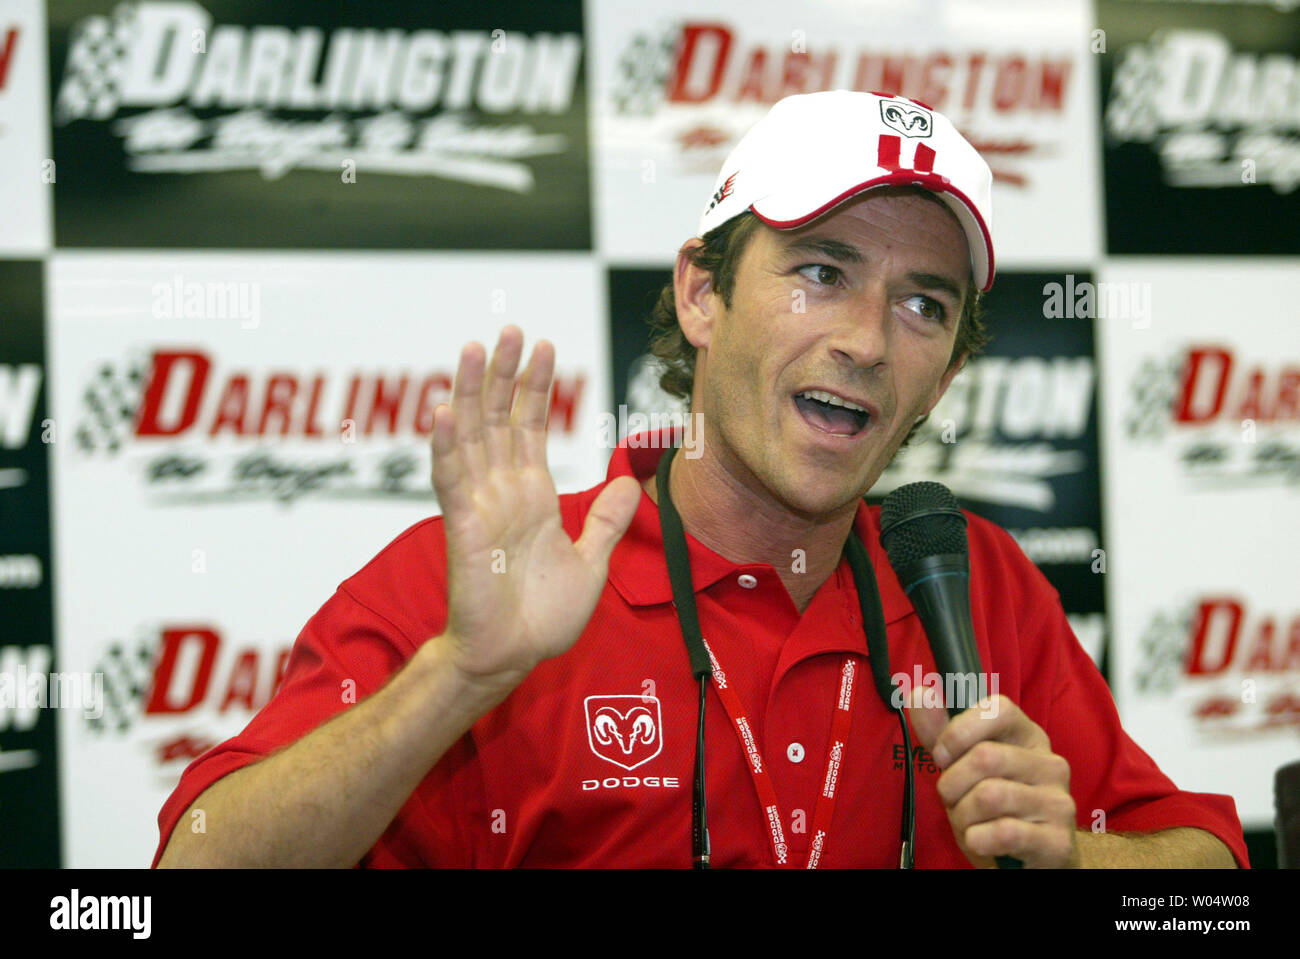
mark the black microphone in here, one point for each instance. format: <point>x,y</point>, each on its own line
<point>923,532</point>
<point>1286,792</point>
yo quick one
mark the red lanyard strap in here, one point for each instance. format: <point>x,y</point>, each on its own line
<point>835,750</point>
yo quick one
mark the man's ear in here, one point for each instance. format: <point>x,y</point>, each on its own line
<point>697,304</point>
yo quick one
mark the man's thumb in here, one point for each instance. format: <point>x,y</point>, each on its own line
<point>607,520</point>
<point>926,714</point>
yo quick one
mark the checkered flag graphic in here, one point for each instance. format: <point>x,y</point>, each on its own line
<point>97,58</point>
<point>1162,649</point>
<point>109,405</point>
<point>1131,113</point>
<point>1151,398</point>
<point>128,671</point>
<point>641,75</point>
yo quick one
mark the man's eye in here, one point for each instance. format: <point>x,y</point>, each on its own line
<point>927,307</point>
<point>820,273</point>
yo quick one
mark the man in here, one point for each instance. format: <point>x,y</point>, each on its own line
<point>507,684</point>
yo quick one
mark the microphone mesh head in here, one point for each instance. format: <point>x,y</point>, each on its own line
<point>919,520</point>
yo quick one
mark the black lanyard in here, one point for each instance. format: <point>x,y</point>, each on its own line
<point>873,624</point>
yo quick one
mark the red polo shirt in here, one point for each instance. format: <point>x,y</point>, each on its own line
<point>589,761</point>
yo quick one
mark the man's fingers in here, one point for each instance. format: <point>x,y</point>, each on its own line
<point>993,799</point>
<point>1034,844</point>
<point>448,467</point>
<point>532,407</point>
<point>467,407</point>
<point>995,760</point>
<point>498,390</point>
<point>994,717</point>
<point>607,521</point>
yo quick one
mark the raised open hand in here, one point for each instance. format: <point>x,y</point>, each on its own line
<point>519,589</point>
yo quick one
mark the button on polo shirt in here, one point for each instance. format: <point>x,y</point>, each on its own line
<point>588,762</point>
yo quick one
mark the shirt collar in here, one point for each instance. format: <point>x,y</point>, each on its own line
<point>637,568</point>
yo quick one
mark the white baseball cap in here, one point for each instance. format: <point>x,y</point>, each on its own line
<point>813,151</point>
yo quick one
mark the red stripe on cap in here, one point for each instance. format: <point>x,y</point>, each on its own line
<point>931,181</point>
<point>924,162</point>
<point>887,152</point>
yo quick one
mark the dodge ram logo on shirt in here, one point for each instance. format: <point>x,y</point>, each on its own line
<point>624,730</point>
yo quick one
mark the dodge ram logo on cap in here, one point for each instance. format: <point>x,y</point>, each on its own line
<point>909,120</point>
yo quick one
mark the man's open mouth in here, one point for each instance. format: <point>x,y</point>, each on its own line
<point>831,413</point>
